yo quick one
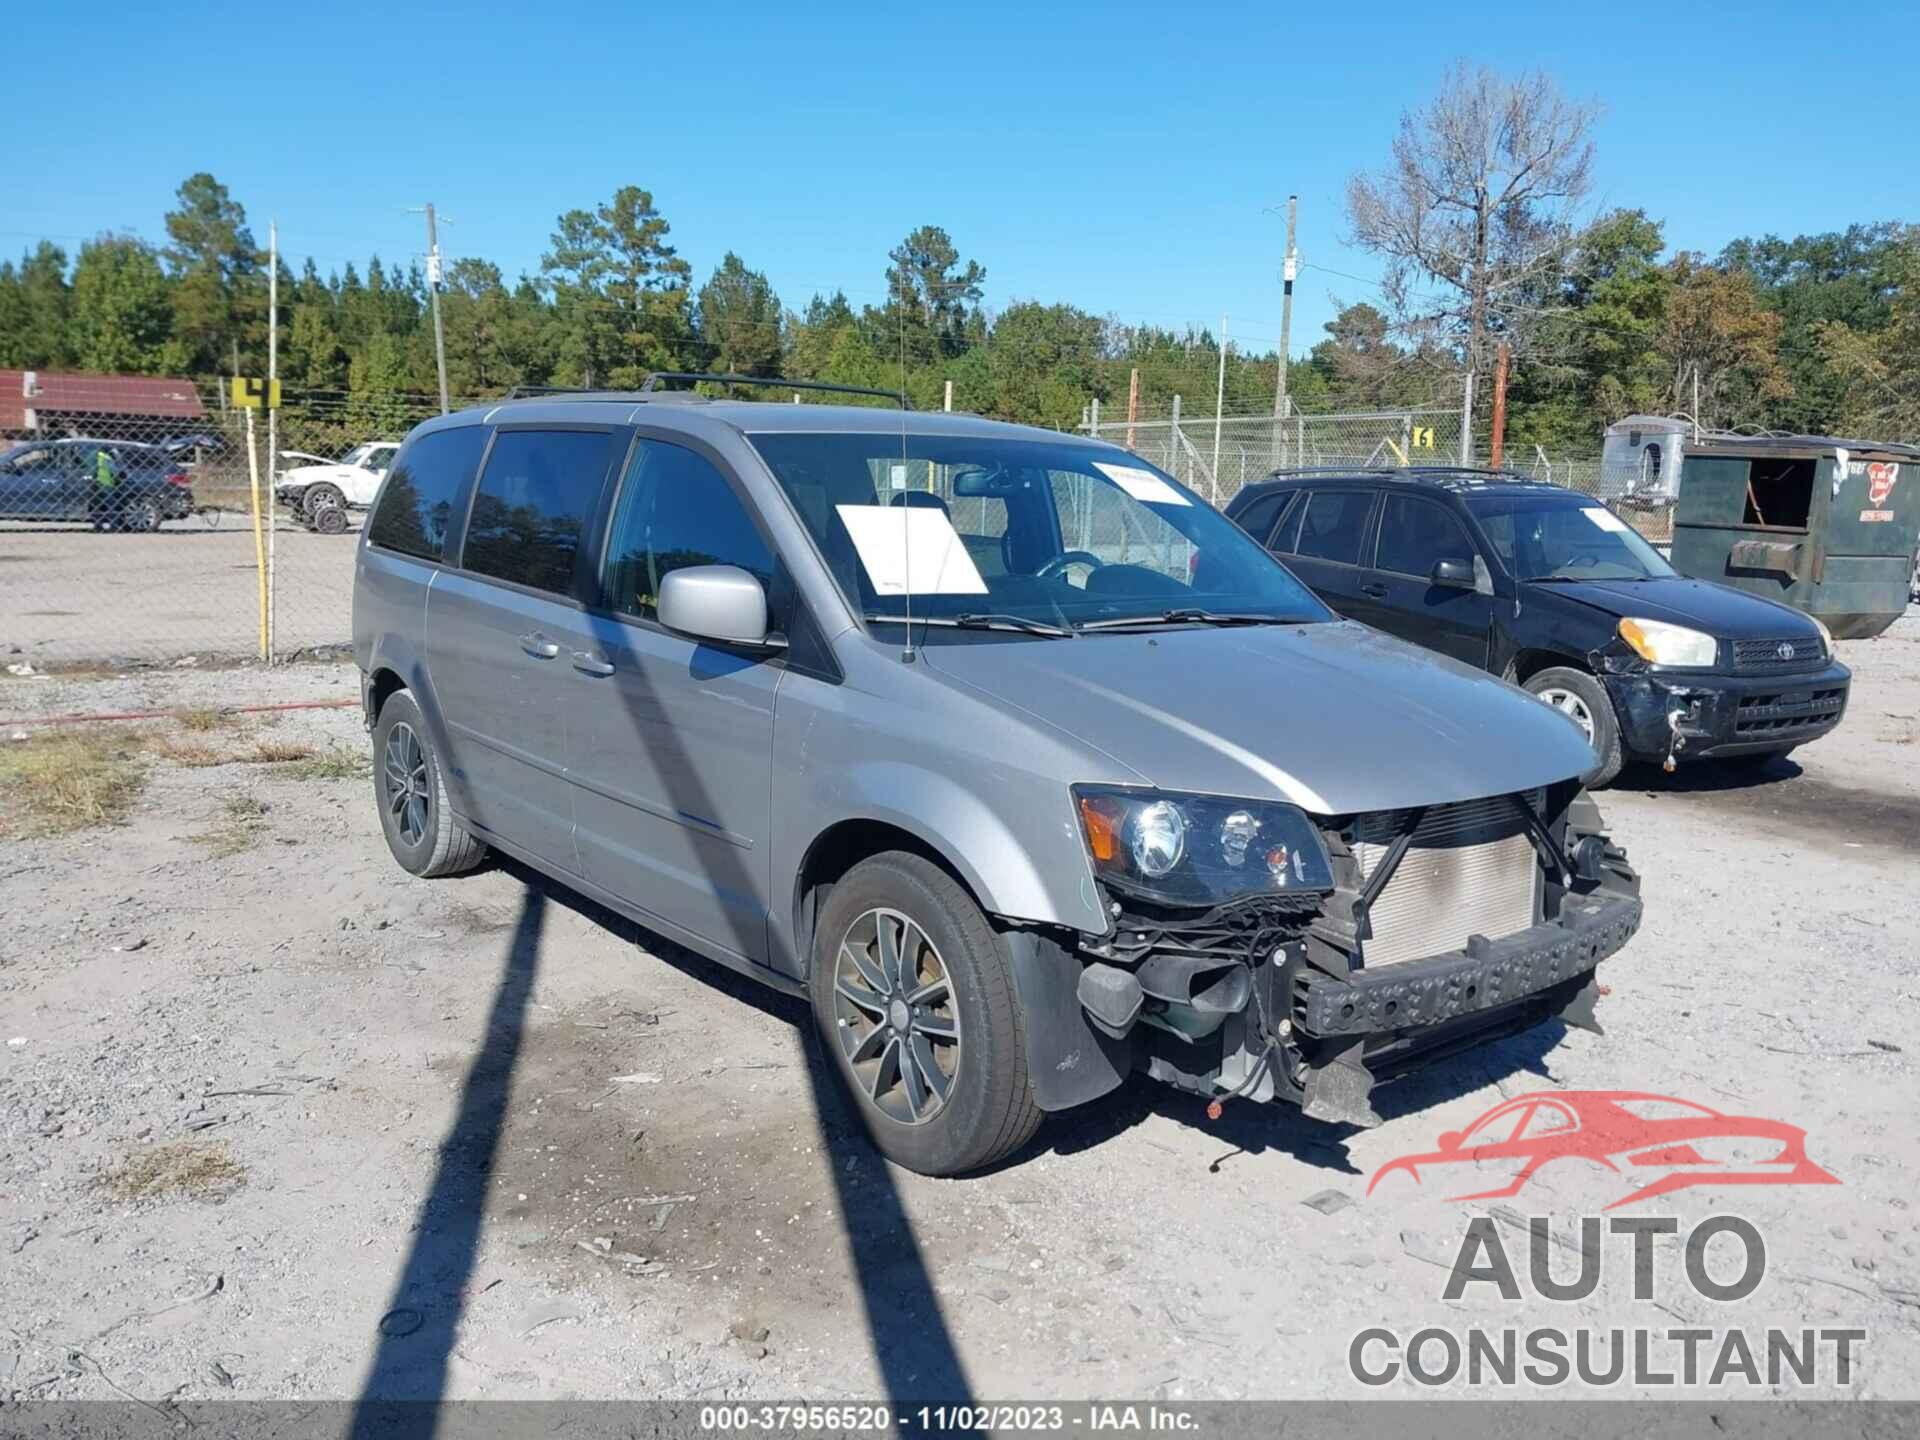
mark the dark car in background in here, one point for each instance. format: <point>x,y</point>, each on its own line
<point>1551,590</point>
<point>55,480</point>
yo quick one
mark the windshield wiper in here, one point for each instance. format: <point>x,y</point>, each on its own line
<point>1193,617</point>
<point>987,621</point>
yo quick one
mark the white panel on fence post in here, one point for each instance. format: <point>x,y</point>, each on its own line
<point>273,421</point>
<point>1173,441</point>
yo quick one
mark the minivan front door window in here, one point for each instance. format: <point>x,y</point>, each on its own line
<point>676,510</point>
<point>1062,534</point>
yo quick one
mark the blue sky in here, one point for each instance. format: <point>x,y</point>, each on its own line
<point>1131,159</point>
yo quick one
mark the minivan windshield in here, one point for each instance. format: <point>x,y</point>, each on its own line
<point>1564,537</point>
<point>1023,536</point>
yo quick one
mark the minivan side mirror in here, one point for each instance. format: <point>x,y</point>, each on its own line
<point>715,602</point>
<point>1455,574</point>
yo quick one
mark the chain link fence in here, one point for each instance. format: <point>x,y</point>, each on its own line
<point>148,521</point>
<point>1216,457</point>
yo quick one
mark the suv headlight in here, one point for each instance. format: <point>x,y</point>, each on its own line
<point>1199,849</point>
<point>1826,635</point>
<point>1658,643</point>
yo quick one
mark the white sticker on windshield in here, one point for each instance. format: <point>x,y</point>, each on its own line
<point>1604,518</point>
<point>1143,485</point>
<point>911,550</point>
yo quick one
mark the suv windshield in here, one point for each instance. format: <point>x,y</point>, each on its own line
<point>1564,537</point>
<point>1023,534</point>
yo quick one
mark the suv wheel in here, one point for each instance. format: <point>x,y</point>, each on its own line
<point>318,497</point>
<point>914,998</point>
<point>410,787</point>
<point>1584,700</point>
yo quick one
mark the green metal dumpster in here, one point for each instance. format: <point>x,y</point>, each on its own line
<point>1827,525</point>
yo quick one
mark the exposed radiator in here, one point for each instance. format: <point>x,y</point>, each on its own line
<point>1471,870</point>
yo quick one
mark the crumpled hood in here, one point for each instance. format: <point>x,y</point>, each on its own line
<point>314,474</point>
<point>1336,718</point>
<point>1719,610</point>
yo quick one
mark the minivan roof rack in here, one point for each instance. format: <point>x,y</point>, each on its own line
<point>651,385</point>
<point>651,388</point>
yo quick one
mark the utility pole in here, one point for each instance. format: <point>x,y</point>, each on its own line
<point>433,288</point>
<point>1499,405</point>
<point>1696,402</point>
<point>1289,267</point>
<point>1133,405</point>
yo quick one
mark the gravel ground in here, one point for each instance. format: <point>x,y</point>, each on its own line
<point>283,1122</point>
<point>72,595</point>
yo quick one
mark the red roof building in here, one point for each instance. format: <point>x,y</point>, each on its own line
<point>45,403</point>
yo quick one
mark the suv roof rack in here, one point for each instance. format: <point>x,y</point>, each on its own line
<point>1439,474</point>
<point>650,388</point>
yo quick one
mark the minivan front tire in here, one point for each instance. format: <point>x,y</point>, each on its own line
<point>410,789</point>
<point>913,993</point>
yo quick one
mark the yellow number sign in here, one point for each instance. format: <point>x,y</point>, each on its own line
<point>250,393</point>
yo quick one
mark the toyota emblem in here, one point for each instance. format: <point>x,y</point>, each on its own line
<point>1785,650</point>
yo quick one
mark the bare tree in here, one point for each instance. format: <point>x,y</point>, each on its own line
<point>1478,208</point>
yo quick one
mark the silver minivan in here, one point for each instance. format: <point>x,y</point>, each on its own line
<point>1019,761</point>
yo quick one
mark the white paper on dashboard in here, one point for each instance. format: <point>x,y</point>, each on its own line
<point>1605,518</point>
<point>914,546</point>
<point>1143,485</point>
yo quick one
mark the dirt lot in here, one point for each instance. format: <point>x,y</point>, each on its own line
<point>277,1120</point>
<point>186,589</point>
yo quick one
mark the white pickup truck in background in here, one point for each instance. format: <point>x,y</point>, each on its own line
<point>348,483</point>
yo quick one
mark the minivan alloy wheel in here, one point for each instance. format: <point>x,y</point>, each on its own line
<point>895,1015</point>
<point>1570,704</point>
<point>407,785</point>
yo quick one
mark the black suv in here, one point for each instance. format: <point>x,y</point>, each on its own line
<point>1553,591</point>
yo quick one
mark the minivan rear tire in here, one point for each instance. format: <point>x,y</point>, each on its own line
<point>1592,700</point>
<point>989,1111</point>
<point>421,831</point>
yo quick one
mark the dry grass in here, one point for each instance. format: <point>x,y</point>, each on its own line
<point>194,754</point>
<point>243,821</point>
<point>203,718</point>
<point>185,1167</point>
<point>334,763</point>
<point>67,780</point>
<point>280,752</point>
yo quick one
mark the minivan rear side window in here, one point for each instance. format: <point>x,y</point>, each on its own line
<point>1332,525</point>
<point>417,505</point>
<point>675,509</point>
<point>538,490</point>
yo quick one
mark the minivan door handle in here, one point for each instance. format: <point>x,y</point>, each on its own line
<point>589,663</point>
<point>1378,592</point>
<point>538,646</point>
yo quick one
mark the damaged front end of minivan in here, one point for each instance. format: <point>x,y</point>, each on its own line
<point>1258,952</point>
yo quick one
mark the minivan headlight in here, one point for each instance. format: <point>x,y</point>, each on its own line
<point>1658,643</point>
<point>1199,849</point>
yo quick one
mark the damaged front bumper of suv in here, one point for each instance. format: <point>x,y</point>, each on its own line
<point>1274,996</point>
